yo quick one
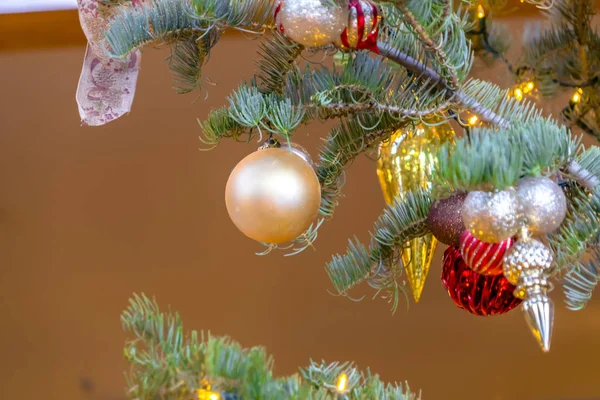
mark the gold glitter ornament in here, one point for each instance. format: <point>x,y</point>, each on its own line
<point>310,22</point>
<point>528,265</point>
<point>406,163</point>
<point>273,195</point>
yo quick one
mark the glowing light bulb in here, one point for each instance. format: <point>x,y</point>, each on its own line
<point>342,383</point>
<point>204,394</point>
<point>528,87</point>
<point>473,120</point>
<point>576,98</point>
<point>518,94</point>
<point>480,11</point>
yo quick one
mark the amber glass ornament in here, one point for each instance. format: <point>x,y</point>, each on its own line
<point>273,195</point>
<point>478,294</point>
<point>408,162</point>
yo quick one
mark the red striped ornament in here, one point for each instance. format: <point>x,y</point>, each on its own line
<point>363,26</point>
<point>483,258</point>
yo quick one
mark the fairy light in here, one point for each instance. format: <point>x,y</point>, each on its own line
<point>528,87</point>
<point>576,98</point>
<point>342,383</point>
<point>473,120</point>
<point>480,12</point>
<point>204,394</point>
<point>518,94</point>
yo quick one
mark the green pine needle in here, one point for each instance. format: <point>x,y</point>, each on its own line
<point>169,363</point>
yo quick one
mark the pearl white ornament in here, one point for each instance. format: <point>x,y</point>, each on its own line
<point>492,216</point>
<point>310,22</point>
<point>544,204</point>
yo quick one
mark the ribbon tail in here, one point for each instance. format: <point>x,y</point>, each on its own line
<point>106,87</point>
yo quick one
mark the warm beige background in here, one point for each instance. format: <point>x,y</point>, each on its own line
<point>90,215</point>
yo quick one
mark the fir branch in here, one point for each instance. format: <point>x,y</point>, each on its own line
<point>168,363</point>
<point>400,222</point>
<point>410,63</point>
<point>188,56</point>
<point>278,55</point>
<point>255,16</point>
<point>163,20</point>
<point>579,230</point>
<point>580,282</point>
<point>430,46</point>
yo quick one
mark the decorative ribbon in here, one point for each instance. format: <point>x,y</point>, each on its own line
<point>107,85</point>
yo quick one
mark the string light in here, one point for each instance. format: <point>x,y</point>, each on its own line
<point>204,394</point>
<point>473,120</point>
<point>480,12</point>
<point>518,94</point>
<point>528,87</point>
<point>577,96</point>
<point>342,383</point>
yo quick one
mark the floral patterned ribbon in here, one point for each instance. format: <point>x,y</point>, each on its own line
<point>107,85</point>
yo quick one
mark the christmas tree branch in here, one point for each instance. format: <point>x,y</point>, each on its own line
<point>581,175</point>
<point>400,222</point>
<point>430,46</point>
<point>485,114</point>
<point>169,363</point>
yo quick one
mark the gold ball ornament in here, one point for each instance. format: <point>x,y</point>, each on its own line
<point>273,195</point>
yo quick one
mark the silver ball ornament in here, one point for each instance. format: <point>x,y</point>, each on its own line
<point>310,22</point>
<point>544,204</point>
<point>492,216</point>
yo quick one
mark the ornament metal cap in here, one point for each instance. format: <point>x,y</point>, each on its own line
<point>539,314</point>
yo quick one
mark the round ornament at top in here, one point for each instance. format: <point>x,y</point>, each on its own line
<point>273,195</point>
<point>473,292</point>
<point>310,22</point>
<point>492,216</point>
<point>544,204</point>
<point>444,219</point>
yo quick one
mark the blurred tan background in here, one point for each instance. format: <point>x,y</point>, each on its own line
<point>90,215</point>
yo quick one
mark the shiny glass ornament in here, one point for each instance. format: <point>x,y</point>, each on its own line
<point>310,22</point>
<point>473,292</point>
<point>445,219</point>
<point>405,163</point>
<point>527,259</point>
<point>483,258</point>
<point>362,29</point>
<point>492,216</point>
<point>273,195</point>
<point>528,264</point>
<point>544,204</point>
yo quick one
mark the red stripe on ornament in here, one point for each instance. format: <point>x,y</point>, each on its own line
<point>484,258</point>
<point>370,41</point>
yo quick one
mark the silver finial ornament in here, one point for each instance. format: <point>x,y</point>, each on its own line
<point>528,265</point>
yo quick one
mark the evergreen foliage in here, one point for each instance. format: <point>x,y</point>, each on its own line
<point>425,57</point>
<point>168,362</point>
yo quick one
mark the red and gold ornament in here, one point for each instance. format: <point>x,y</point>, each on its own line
<point>473,292</point>
<point>362,30</point>
<point>310,23</point>
<point>482,257</point>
